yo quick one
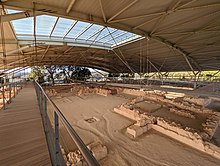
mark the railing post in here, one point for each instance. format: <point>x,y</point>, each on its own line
<point>39,98</point>
<point>3,97</point>
<point>14,90</point>
<point>45,111</point>
<point>56,156</point>
<point>57,146</point>
<point>37,92</point>
<point>9,93</point>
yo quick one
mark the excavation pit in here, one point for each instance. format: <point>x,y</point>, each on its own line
<point>120,115</point>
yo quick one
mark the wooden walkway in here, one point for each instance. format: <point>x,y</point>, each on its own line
<point>22,139</point>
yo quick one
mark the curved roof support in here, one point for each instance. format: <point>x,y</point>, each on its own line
<point>193,65</point>
<point>70,6</point>
<point>55,11</point>
<point>179,50</point>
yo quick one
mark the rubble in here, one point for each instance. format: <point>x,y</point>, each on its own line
<point>75,158</point>
<point>98,150</point>
<point>136,130</point>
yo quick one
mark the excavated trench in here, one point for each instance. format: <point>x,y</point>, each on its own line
<point>179,115</point>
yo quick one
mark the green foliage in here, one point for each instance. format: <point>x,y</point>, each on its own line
<point>37,73</point>
<point>66,73</point>
<point>203,76</point>
<point>51,70</point>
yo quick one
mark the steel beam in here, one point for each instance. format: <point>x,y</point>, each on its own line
<point>116,37</point>
<point>83,31</point>
<point>187,3</point>
<point>188,21</point>
<point>102,10</point>
<point>179,41</point>
<point>97,32</point>
<point>107,34</point>
<point>19,49</point>
<point>87,17</point>
<point>45,52</point>
<point>178,49</point>
<point>70,28</point>
<point>60,43</point>
<point>122,10</point>
<point>147,22</point>
<point>70,6</point>
<point>55,11</point>
<point>55,23</point>
<point>176,8</point>
<point>16,16</point>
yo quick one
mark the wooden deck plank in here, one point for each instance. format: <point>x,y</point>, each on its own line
<point>22,139</point>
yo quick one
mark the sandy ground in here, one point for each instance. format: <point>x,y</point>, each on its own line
<point>108,127</point>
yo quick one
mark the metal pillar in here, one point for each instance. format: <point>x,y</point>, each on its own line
<point>14,90</point>
<point>56,131</point>
<point>56,156</point>
<point>3,97</point>
<point>39,98</point>
<point>195,82</point>
<point>9,93</point>
<point>196,79</point>
<point>162,79</point>
<point>44,108</point>
<point>16,86</point>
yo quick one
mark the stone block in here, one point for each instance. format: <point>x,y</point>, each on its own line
<point>98,150</point>
<point>142,122</point>
<point>135,130</point>
<point>147,127</point>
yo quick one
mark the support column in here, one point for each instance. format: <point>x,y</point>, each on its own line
<point>3,97</point>
<point>16,85</point>
<point>10,93</point>
<point>39,99</point>
<point>196,79</point>
<point>45,117</point>
<point>14,90</point>
<point>57,146</point>
<point>195,82</point>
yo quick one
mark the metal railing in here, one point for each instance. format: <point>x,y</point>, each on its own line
<point>52,135</point>
<point>141,81</point>
<point>7,97</point>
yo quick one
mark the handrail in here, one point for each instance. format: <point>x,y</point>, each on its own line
<point>78,141</point>
<point>2,90</point>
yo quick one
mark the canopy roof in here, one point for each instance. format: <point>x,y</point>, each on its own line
<point>115,36</point>
<point>51,28</point>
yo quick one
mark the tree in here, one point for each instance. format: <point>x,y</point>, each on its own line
<point>63,71</point>
<point>83,74</point>
<point>66,73</point>
<point>37,73</point>
<point>76,72</point>
<point>51,70</point>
